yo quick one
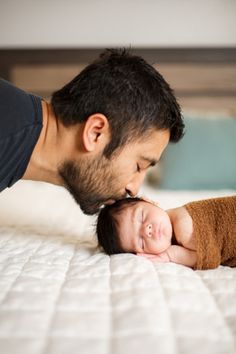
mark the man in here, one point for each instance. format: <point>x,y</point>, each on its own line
<point>98,135</point>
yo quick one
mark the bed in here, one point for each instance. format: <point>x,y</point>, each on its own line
<point>60,294</point>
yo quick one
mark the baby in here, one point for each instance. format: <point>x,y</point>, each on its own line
<point>194,235</point>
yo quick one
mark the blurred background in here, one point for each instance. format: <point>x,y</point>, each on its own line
<point>44,44</point>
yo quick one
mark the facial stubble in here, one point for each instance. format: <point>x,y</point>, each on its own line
<point>90,182</point>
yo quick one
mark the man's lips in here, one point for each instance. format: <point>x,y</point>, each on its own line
<point>112,201</point>
<point>109,202</point>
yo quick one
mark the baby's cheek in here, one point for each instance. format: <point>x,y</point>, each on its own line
<point>168,228</point>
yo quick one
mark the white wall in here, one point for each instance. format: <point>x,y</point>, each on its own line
<point>99,23</point>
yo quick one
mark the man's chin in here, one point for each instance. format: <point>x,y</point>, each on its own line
<point>91,210</point>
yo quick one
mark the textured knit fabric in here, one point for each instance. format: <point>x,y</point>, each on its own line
<point>214,229</point>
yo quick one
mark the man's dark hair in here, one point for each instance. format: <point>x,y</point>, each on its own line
<point>133,96</point>
<point>106,228</point>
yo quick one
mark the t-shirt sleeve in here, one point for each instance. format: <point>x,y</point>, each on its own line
<point>20,127</point>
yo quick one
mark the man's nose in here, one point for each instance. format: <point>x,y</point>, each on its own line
<point>133,186</point>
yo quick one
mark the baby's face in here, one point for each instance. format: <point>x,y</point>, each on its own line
<point>144,228</point>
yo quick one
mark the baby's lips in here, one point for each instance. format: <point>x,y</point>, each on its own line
<point>157,231</point>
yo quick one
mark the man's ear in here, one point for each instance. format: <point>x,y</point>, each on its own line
<point>96,132</point>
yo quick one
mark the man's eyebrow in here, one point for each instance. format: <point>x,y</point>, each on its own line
<point>152,162</point>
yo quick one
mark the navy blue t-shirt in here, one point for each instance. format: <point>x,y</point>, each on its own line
<point>20,127</point>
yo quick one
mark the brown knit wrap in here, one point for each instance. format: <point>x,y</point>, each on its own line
<point>214,229</point>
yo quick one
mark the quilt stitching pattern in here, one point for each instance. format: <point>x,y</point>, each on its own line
<point>60,294</point>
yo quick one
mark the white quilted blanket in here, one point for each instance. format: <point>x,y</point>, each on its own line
<point>60,295</point>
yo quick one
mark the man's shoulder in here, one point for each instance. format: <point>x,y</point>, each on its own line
<point>18,109</point>
<point>20,127</point>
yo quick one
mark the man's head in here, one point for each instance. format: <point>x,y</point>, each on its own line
<point>133,225</point>
<point>123,105</point>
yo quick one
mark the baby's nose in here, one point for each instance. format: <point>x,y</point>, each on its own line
<point>148,230</point>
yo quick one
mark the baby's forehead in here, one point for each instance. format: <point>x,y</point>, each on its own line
<point>143,202</point>
<point>127,210</point>
<point>129,206</point>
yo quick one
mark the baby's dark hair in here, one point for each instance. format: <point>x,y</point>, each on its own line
<point>106,229</point>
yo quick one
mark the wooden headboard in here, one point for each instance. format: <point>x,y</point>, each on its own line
<point>203,78</point>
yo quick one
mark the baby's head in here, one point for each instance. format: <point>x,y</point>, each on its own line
<point>133,225</point>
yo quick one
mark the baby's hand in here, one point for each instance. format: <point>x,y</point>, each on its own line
<point>159,258</point>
